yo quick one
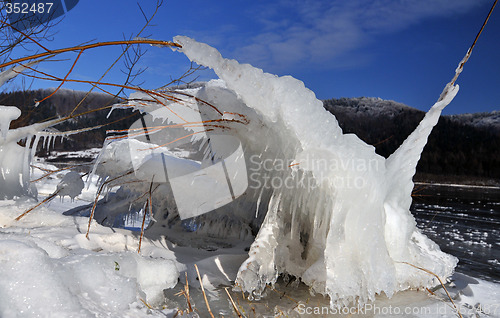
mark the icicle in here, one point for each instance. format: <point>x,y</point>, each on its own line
<point>110,111</point>
<point>203,144</point>
<point>54,141</point>
<point>258,202</point>
<point>31,190</point>
<point>46,142</point>
<point>34,146</point>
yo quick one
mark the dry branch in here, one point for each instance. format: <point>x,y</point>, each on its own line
<point>203,291</point>
<point>91,46</point>
<point>50,197</point>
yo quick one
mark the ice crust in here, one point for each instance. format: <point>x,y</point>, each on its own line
<point>12,72</point>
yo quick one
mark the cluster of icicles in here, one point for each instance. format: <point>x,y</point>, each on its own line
<point>15,160</point>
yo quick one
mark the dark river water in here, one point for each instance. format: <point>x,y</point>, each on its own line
<point>465,222</point>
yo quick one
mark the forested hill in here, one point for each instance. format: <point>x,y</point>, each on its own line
<point>460,146</point>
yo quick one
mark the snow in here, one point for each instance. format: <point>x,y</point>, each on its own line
<point>489,120</point>
<point>48,266</point>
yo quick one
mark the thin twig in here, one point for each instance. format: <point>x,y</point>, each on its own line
<point>185,293</point>
<point>148,21</point>
<point>188,298</point>
<point>50,172</point>
<point>62,82</point>
<point>203,291</point>
<point>50,197</point>
<point>440,281</point>
<point>284,294</point>
<point>142,226</point>
<point>25,35</point>
<point>469,52</point>
<point>146,304</point>
<point>232,302</point>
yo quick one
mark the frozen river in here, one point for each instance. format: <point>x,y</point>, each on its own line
<point>465,222</point>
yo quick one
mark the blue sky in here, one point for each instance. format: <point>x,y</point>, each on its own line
<point>399,50</point>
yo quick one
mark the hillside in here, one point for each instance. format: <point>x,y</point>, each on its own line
<point>461,147</point>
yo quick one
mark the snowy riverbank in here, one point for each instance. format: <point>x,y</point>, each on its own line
<point>49,269</point>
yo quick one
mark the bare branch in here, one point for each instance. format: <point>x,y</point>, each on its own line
<point>91,46</point>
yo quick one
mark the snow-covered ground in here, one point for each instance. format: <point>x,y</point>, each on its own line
<point>48,268</point>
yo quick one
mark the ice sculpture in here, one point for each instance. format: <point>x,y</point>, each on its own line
<point>347,240</point>
<point>326,207</point>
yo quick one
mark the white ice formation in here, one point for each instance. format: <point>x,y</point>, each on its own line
<point>15,160</point>
<point>12,72</point>
<point>14,165</point>
<point>327,208</point>
<point>9,113</point>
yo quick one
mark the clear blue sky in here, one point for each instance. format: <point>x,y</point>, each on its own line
<point>399,50</point>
